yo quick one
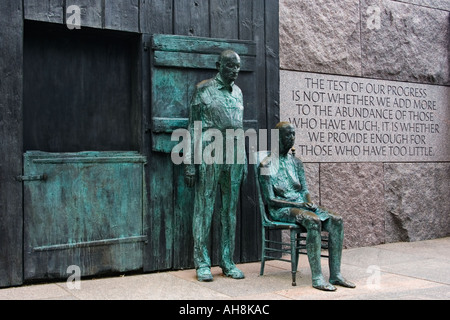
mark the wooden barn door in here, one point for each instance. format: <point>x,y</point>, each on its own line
<point>84,188</point>
<point>177,64</point>
<point>182,41</point>
<point>82,210</point>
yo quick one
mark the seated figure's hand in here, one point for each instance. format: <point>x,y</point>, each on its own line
<point>311,206</point>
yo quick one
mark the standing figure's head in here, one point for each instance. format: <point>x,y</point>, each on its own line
<point>287,136</point>
<point>229,65</point>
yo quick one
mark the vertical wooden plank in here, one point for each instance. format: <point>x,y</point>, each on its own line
<point>136,117</point>
<point>160,173</point>
<point>44,10</point>
<point>246,19</point>
<point>183,213</point>
<point>272,62</point>
<point>191,18</point>
<point>122,15</point>
<point>250,222</point>
<point>260,38</point>
<point>272,71</point>
<point>159,250</point>
<point>224,19</point>
<point>156,16</point>
<point>254,99</point>
<point>11,212</point>
<point>145,149</point>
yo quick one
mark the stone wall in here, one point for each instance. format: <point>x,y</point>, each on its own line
<point>406,41</point>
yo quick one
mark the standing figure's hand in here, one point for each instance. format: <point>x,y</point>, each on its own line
<point>189,180</point>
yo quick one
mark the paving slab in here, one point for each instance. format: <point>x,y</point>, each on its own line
<point>436,248</point>
<point>157,286</point>
<point>35,292</point>
<point>398,271</point>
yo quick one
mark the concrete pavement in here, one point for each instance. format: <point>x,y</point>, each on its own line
<point>396,271</point>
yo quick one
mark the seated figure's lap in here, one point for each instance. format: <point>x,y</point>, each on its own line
<point>310,220</point>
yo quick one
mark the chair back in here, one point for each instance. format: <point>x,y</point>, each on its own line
<point>259,157</point>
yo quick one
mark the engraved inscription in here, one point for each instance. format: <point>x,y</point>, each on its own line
<point>348,119</point>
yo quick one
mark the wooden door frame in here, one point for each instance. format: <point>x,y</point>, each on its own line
<point>11,137</point>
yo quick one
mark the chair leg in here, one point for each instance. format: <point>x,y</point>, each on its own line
<point>298,247</point>
<point>263,251</point>
<point>294,256</point>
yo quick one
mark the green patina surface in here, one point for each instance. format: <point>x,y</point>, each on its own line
<point>287,197</point>
<point>88,199</point>
<point>91,208</point>
<point>178,64</point>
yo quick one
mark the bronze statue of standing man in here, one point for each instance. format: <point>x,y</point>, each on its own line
<point>218,104</point>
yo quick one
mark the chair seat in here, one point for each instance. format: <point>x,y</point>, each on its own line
<point>283,225</point>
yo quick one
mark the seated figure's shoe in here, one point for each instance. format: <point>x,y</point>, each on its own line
<point>234,273</point>
<point>204,274</point>
<point>323,285</point>
<point>341,281</point>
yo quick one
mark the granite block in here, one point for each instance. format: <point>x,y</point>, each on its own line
<point>404,42</point>
<point>320,36</point>
<point>417,197</point>
<point>355,191</point>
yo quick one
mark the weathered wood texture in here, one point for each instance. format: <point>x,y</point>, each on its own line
<point>44,10</point>
<point>11,38</point>
<point>97,102</point>
<point>91,77</point>
<point>228,19</point>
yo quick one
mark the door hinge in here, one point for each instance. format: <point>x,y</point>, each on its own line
<point>37,177</point>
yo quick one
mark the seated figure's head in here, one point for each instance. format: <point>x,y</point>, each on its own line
<point>287,136</point>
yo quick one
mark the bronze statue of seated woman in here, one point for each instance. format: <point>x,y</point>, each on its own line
<point>288,199</point>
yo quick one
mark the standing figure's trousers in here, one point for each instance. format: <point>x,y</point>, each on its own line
<point>229,177</point>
